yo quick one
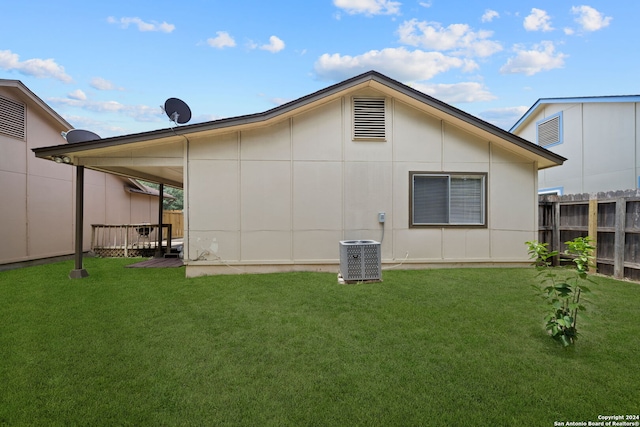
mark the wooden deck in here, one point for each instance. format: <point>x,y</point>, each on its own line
<point>158,263</point>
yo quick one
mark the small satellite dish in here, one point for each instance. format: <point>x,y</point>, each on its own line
<point>80,135</point>
<point>177,110</point>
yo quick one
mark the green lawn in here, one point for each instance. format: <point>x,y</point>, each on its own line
<point>459,347</point>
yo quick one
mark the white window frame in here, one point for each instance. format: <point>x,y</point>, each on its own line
<point>448,177</point>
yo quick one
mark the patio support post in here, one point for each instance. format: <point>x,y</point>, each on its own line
<point>159,253</point>
<point>79,272</point>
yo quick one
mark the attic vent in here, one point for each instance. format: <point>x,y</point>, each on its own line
<point>550,131</point>
<point>12,118</point>
<point>368,118</point>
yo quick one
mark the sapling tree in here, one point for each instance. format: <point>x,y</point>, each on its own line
<point>562,288</point>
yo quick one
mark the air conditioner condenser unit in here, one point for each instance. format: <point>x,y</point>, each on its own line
<point>360,260</point>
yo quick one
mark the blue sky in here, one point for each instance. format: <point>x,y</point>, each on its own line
<point>108,66</point>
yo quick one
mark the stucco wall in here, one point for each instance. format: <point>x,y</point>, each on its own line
<point>287,194</point>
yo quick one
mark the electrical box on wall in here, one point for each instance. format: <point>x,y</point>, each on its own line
<point>381,217</point>
<point>360,260</point>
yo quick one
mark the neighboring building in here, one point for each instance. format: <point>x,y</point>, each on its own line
<point>278,191</point>
<point>600,137</point>
<point>37,196</point>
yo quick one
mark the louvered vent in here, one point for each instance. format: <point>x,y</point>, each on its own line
<point>368,118</point>
<point>12,118</point>
<point>549,131</point>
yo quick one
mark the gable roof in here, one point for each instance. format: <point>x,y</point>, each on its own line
<point>572,100</point>
<point>25,95</point>
<point>371,79</point>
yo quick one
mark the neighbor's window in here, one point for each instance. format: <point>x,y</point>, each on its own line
<point>451,199</point>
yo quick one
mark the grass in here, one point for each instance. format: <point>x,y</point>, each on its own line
<point>434,347</point>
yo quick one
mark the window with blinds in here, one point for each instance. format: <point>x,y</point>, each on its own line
<point>453,199</point>
<point>369,118</point>
<point>12,118</point>
<point>550,130</point>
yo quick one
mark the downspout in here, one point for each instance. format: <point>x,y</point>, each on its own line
<point>79,272</point>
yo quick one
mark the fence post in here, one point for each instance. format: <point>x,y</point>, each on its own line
<point>555,231</point>
<point>126,241</point>
<point>593,227</point>
<point>618,260</point>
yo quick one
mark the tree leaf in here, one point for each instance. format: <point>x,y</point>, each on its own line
<point>584,289</point>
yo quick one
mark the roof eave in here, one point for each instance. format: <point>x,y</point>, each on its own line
<point>572,100</point>
<point>33,99</point>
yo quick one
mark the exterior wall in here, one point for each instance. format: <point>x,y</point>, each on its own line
<point>599,141</point>
<point>38,196</point>
<point>283,197</point>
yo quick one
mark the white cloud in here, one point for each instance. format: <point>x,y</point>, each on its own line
<point>538,20</point>
<point>398,62</point>
<point>458,38</point>
<point>279,101</point>
<point>140,113</point>
<point>542,57</point>
<point>504,118</point>
<point>142,25</point>
<point>457,92</point>
<point>36,67</point>
<point>489,15</point>
<point>102,84</point>
<point>222,40</point>
<point>98,126</point>
<point>369,7</point>
<point>275,45</point>
<point>590,19</point>
<point>426,4</point>
<point>77,94</point>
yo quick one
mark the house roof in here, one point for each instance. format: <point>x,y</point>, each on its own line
<point>571,100</point>
<point>372,79</point>
<point>135,186</point>
<point>32,100</point>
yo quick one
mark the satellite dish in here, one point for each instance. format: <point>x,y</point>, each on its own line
<point>80,135</point>
<point>177,110</point>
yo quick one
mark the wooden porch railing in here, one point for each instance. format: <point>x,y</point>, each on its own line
<point>129,240</point>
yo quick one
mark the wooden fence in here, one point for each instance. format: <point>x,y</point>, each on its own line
<point>612,219</point>
<point>176,219</point>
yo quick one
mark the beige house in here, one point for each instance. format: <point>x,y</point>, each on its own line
<point>278,190</point>
<point>37,208</point>
<point>600,135</point>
